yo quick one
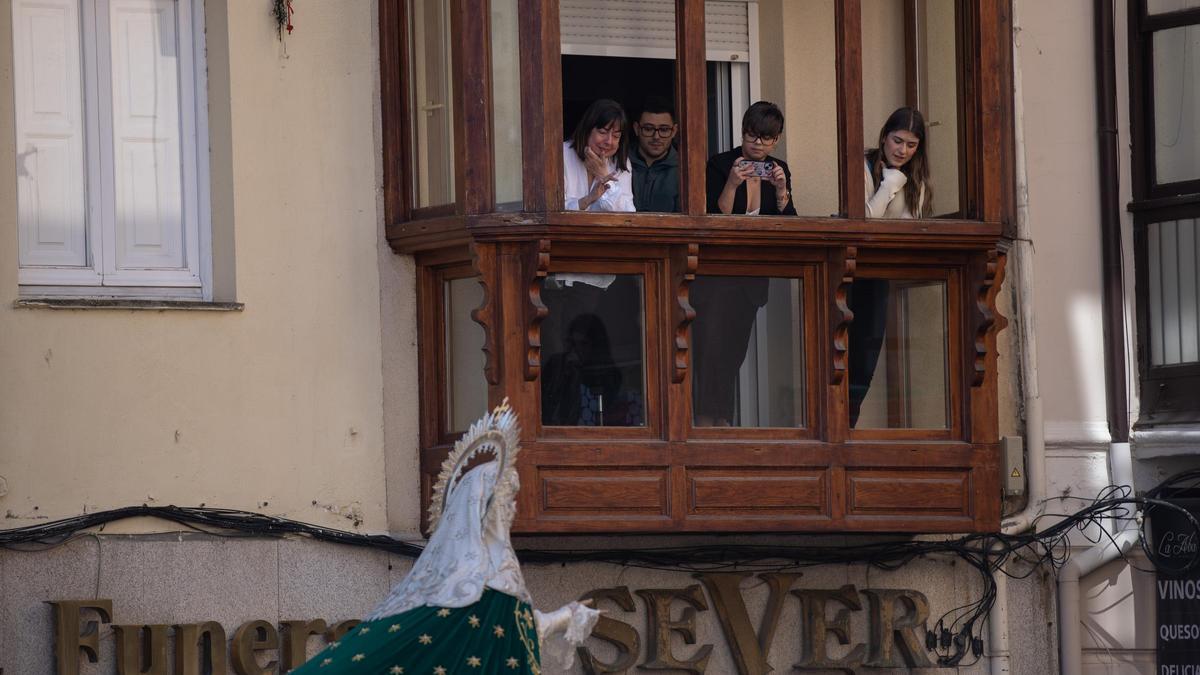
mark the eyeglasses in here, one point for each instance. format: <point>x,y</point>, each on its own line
<point>761,140</point>
<point>652,131</point>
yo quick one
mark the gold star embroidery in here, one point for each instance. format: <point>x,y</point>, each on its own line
<point>528,617</point>
<point>474,621</point>
<point>498,630</point>
<point>326,662</point>
<point>443,612</point>
<point>438,670</point>
<point>425,639</point>
<point>364,631</point>
<point>396,670</point>
<point>393,628</point>
<point>512,663</point>
<point>358,657</point>
<point>474,661</point>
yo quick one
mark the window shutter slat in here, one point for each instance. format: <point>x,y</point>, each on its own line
<point>149,224</point>
<point>51,197</point>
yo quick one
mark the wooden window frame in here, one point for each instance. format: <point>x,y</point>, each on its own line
<point>671,476</point>
<point>734,262</point>
<point>654,293</point>
<point>1162,387</point>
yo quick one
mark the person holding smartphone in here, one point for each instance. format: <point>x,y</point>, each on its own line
<point>596,175</point>
<point>745,180</point>
<point>748,179</point>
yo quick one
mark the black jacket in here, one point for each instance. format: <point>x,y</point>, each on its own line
<point>656,187</point>
<point>717,172</point>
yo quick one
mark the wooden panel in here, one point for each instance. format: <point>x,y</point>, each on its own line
<point>394,113</point>
<point>848,28</point>
<point>774,491</point>
<point>902,492</point>
<point>692,103</point>
<point>541,90</point>
<point>470,28</point>
<point>600,492</point>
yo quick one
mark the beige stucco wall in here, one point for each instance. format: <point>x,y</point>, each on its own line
<point>278,408</point>
<point>1059,113</point>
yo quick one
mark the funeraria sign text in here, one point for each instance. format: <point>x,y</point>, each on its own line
<point>895,638</point>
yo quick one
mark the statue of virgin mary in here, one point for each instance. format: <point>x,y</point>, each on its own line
<point>464,607</point>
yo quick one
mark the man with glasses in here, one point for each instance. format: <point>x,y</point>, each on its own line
<point>747,179</point>
<point>656,162</point>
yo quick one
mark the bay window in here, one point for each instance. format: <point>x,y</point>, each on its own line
<point>683,372</point>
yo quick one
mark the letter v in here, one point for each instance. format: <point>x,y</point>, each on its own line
<point>749,648</point>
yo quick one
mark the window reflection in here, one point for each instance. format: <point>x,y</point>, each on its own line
<point>1176,104</point>
<point>593,362</point>
<point>429,37</point>
<point>898,355</point>
<point>466,386</point>
<point>506,100</point>
<point>747,352</point>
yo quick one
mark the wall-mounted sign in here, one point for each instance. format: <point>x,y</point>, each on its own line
<point>1177,595</point>
<point>895,637</point>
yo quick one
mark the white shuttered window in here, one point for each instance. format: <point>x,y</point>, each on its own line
<point>111,147</point>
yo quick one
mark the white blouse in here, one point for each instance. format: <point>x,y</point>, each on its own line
<point>576,186</point>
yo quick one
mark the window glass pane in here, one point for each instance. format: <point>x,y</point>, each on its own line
<point>593,354</point>
<point>898,355</point>
<point>910,64</point>
<point>466,386</point>
<point>747,352</point>
<point>1177,104</point>
<point>1173,256</point>
<point>1160,6</point>
<point>433,117</point>
<point>791,63</point>
<point>506,102</point>
<point>618,66</point>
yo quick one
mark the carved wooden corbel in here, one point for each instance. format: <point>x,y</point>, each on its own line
<point>538,265</point>
<point>483,259</point>
<point>989,274</point>
<point>843,263</point>
<point>685,260</point>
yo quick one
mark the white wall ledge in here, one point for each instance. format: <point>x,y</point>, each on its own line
<point>1177,441</point>
<point>127,303</point>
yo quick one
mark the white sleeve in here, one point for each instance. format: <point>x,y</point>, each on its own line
<point>619,196</point>
<point>878,200</point>
<point>572,181</point>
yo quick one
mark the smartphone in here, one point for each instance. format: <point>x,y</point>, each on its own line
<point>762,169</point>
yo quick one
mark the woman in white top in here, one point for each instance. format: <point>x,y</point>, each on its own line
<point>596,172</point>
<point>897,172</point>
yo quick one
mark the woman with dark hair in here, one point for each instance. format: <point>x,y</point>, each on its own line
<point>897,172</point>
<point>596,174</point>
<point>748,179</point>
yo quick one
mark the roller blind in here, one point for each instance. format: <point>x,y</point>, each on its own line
<point>646,28</point>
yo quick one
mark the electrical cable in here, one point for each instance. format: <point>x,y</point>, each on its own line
<point>956,634</point>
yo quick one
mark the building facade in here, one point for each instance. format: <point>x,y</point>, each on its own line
<point>277,263</point>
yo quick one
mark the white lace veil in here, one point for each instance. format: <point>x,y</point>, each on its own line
<point>470,516</point>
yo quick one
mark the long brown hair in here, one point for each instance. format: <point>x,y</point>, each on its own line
<point>915,169</point>
<point>600,115</point>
